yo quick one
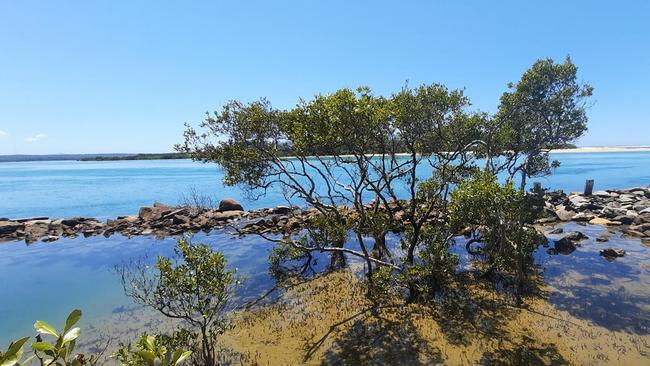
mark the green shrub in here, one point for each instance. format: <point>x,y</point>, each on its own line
<point>500,214</point>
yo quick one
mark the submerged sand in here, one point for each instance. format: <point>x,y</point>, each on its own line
<point>330,321</point>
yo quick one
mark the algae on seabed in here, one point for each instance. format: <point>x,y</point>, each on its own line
<point>330,321</point>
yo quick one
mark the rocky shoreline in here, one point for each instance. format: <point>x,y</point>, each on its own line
<point>626,210</point>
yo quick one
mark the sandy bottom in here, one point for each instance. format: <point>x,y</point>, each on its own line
<point>329,321</point>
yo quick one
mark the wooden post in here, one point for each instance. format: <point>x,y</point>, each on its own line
<point>589,187</point>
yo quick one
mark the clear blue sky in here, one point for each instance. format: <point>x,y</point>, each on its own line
<point>123,76</point>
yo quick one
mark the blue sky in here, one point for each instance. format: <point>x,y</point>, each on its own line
<point>123,76</point>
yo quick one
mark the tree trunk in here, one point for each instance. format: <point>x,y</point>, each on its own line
<point>522,186</point>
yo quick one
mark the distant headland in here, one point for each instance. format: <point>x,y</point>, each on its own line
<point>92,157</point>
<point>170,156</point>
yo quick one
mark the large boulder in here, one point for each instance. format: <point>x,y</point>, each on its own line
<point>229,204</point>
<point>149,213</point>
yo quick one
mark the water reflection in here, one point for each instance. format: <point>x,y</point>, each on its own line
<point>45,281</point>
<point>615,295</point>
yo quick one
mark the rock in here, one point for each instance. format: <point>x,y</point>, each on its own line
<point>612,253</point>
<point>604,194</point>
<point>567,244</point>
<point>223,216</point>
<point>180,219</point>
<point>641,227</point>
<point>34,230</point>
<point>130,219</point>
<point>627,198</point>
<point>282,210</point>
<point>230,205</point>
<point>563,214</point>
<point>293,224</point>
<point>583,217</point>
<point>556,231</point>
<point>635,233</point>
<point>600,221</point>
<point>72,222</point>
<point>543,220</point>
<point>564,246</point>
<point>10,227</point>
<point>176,212</point>
<point>40,218</point>
<point>604,237</point>
<point>163,206</point>
<point>153,213</point>
<point>575,236</point>
<point>625,220</point>
<point>578,201</point>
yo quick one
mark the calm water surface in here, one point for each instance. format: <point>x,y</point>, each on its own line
<point>45,281</point>
<point>108,189</point>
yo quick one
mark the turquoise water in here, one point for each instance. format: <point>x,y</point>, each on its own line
<point>47,280</point>
<point>108,189</point>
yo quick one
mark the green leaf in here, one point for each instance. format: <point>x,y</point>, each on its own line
<point>147,356</point>
<point>43,327</point>
<point>73,318</point>
<point>15,347</point>
<point>180,356</point>
<point>71,335</point>
<point>9,361</point>
<point>151,342</point>
<point>42,346</point>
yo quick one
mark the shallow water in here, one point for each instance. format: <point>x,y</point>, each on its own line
<point>615,295</point>
<point>45,281</point>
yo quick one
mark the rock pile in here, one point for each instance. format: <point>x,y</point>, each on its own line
<point>160,220</point>
<point>627,209</point>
